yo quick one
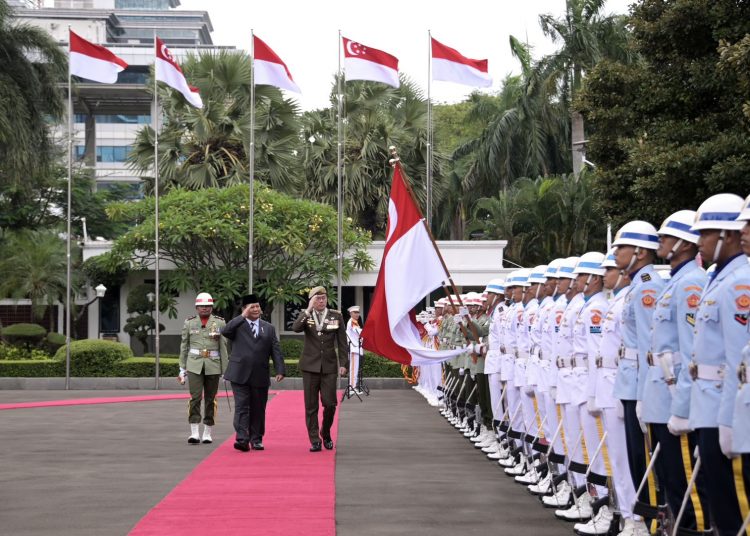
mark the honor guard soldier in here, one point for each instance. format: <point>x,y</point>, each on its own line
<point>741,417</point>
<point>496,292</point>
<point>203,359</point>
<point>636,243</point>
<point>720,334</point>
<point>668,358</point>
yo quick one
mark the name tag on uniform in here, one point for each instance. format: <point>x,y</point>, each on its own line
<point>195,331</point>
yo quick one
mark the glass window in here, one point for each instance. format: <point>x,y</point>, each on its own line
<point>134,190</point>
<point>109,311</point>
<point>112,153</point>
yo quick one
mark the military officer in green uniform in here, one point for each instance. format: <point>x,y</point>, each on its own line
<point>203,359</point>
<point>325,335</point>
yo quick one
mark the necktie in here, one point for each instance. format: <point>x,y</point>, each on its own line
<point>252,328</point>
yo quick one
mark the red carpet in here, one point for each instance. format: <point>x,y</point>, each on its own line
<point>101,400</point>
<point>281,491</point>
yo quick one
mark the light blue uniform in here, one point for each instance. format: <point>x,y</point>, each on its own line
<point>741,418</point>
<point>637,314</point>
<point>672,333</point>
<point>720,335</point>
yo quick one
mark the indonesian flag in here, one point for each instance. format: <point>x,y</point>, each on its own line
<point>449,65</point>
<point>365,63</point>
<point>169,72</point>
<point>93,62</point>
<point>410,270</point>
<point>269,70</point>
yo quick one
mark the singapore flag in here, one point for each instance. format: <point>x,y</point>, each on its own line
<point>410,270</point>
<point>169,72</point>
<point>366,63</point>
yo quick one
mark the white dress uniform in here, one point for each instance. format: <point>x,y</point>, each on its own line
<point>353,331</point>
<point>526,391</point>
<point>548,368</point>
<point>535,370</point>
<point>492,364</point>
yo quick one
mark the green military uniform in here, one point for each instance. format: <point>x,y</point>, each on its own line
<point>482,322</point>
<point>203,354</point>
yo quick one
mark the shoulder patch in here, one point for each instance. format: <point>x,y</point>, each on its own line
<point>191,317</point>
<point>645,277</point>
<point>742,287</point>
<point>219,317</point>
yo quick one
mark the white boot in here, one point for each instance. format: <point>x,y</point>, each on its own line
<point>599,524</point>
<point>628,528</point>
<point>543,487</point>
<point>581,509</point>
<point>207,434</point>
<point>195,435</point>
<point>531,477</point>
<point>561,498</point>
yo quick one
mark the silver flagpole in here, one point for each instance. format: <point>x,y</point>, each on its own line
<point>429,130</point>
<point>251,157</point>
<point>156,219</point>
<point>339,191</point>
<point>67,241</point>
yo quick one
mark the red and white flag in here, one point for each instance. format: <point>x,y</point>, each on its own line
<point>269,70</point>
<point>365,63</point>
<point>409,271</point>
<point>93,62</point>
<point>169,72</point>
<point>449,65</point>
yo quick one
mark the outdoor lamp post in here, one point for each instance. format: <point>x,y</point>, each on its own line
<point>100,291</point>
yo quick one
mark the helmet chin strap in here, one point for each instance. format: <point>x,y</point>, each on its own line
<point>633,258</point>
<point>719,243</point>
<point>674,249</point>
<point>588,281</point>
<point>536,294</point>
<point>619,280</point>
<point>557,286</point>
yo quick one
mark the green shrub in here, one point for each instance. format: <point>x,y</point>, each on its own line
<point>291,348</point>
<point>144,367</point>
<point>94,357</point>
<point>53,341</point>
<point>36,368</point>
<point>27,335</point>
<point>16,353</point>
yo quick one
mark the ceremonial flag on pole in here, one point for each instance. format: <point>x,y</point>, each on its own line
<point>169,72</point>
<point>449,65</point>
<point>93,62</point>
<point>410,270</point>
<point>365,63</point>
<point>269,69</point>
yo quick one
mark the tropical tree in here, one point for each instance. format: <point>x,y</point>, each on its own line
<point>586,37</point>
<point>205,234</point>
<point>33,66</point>
<point>33,264</point>
<point>376,117</point>
<point>209,147</point>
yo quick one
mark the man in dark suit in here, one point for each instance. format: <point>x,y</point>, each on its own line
<point>253,342</point>
<point>325,333</point>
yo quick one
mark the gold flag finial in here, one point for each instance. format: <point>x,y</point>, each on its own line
<point>394,154</point>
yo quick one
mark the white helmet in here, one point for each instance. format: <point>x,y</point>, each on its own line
<point>590,263</point>
<point>552,268</point>
<point>537,274</point>
<point>679,224</point>
<point>496,286</point>
<point>609,260</point>
<point>517,278</point>
<point>720,211</point>
<point>473,298</point>
<point>566,268</point>
<point>745,212</point>
<point>637,233</point>
<point>523,274</point>
<point>204,298</point>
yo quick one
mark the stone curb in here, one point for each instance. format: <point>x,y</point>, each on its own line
<point>51,384</point>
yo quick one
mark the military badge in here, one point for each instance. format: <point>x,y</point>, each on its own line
<point>743,302</point>
<point>690,318</point>
<point>648,300</point>
<point>645,277</point>
<point>693,300</point>
<point>741,318</point>
<point>596,317</point>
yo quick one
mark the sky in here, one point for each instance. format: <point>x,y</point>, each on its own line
<point>304,34</point>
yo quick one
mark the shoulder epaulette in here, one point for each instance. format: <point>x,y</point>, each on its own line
<point>219,317</point>
<point>334,311</point>
<point>191,317</point>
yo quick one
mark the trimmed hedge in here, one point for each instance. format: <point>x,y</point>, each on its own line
<point>24,334</point>
<point>53,342</point>
<point>94,357</point>
<point>32,368</point>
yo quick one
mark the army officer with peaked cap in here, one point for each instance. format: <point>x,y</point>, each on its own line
<point>325,335</point>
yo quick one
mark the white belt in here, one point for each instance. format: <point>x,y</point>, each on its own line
<point>608,362</point>
<point>655,359</point>
<point>706,372</point>
<point>631,354</point>
<point>571,362</point>
<point>210,353</point>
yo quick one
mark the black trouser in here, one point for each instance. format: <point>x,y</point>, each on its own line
<point>319,388</point>
<point>483,391</point>
<point>249,412</point>
<point>636,446</point>
<point>201,385</point>
<point>725,508</point>
<point>675,453</point>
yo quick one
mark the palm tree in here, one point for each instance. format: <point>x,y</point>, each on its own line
<point>33,66</point>
<point>208,147</point>
<point>586,37</point>
<point>34,268</point>
<point>376,116</point>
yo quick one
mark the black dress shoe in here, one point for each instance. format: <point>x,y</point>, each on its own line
<point>241,445</point>
<point>257,445</point>
<point>315,447</point>
<point>328,444</point>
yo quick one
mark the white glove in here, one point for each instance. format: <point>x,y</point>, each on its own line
<point>463,311</point>
<point>461,371</point>
<point>678,426</point>
<point>619,409</point>
<point>458,319</point>
<point>479,349</point>
<point>725,441</point>
<point>181,377</point>
<point>592,408</point>
<point>639,413</point>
